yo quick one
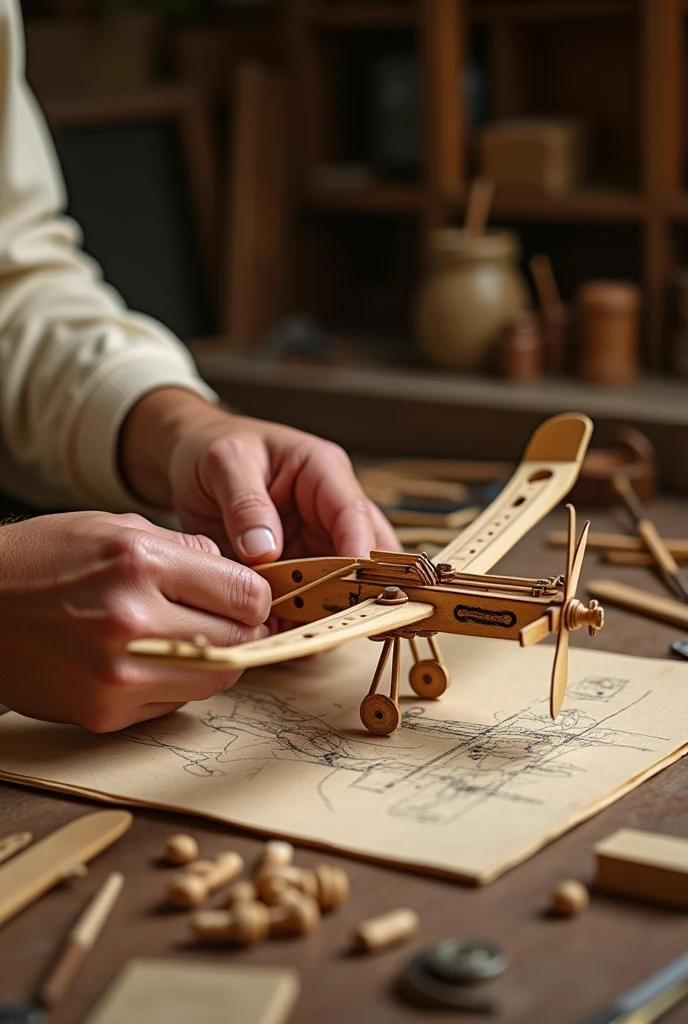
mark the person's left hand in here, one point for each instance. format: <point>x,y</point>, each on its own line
<point>261,491</point>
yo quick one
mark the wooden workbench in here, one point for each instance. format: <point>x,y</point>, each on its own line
<point>561,971</point>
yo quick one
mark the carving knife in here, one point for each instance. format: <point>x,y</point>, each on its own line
<point>35,871</point>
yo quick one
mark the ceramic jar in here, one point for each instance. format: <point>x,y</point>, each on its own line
<point>472,291</point>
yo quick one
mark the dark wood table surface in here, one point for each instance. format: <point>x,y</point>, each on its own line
<point>561,971</point>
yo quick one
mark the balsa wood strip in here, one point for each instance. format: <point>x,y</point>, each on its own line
<point>550,467</point>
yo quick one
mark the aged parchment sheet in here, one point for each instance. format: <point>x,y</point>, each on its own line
<point>471,785</point>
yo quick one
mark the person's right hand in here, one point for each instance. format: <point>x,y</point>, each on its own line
<point>76,588</point>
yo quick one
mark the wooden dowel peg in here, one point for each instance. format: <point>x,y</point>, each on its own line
<point>277,853</point>
<point>242,892</point>
<point>619,542</point>
<point>81,939</point>
<point>273,882</point>
<point>201,878</point>
<point>333,886</point>
<point>634,599</point>
<point>245,924</point>
<point>386,930</point>
<point>181,849</point>
<point>297,914</point>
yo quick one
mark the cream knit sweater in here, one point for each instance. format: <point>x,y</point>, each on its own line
<point>73,360</point>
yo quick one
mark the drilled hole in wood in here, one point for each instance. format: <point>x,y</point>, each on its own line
<point>308,636</point>
<point>540,474</point>
<point>298,602</point>
<point>378,714</point>
<point>297,576</point>
<point>519,501</point>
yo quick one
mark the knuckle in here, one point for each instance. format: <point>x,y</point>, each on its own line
<point>249,597</point>
<point>247,502</point>
<point>225,451</point>
<point>132,521</point>
<point>134,554</point>
<point>123,619</point>
<point>336,453</point>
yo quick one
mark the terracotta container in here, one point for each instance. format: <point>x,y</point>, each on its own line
<point>520,348</point>
<point>608,317</point>
<point>472,291</point>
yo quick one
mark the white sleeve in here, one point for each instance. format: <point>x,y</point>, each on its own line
<point>73,360</point>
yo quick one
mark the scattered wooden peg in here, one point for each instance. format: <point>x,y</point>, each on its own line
<point>386,930</point>
<point>245,924</point>
<point>569,897</point>
<point>277,853</point>
<point>202,877</point>
<point>242,892</point>
<point>273,882</point>
<point>297,914</point>
<point>333,886</point>
<point>181,849</point>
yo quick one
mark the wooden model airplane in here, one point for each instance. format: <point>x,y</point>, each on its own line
<point>391,596</point>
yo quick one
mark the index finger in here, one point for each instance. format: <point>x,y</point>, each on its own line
<point>340,504</point>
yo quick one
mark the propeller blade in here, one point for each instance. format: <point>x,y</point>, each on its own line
<point>570,549</point>
<point>572,580</point>
<point>560,673</point>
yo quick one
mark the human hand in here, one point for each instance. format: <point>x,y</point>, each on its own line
<point>261,491</point>
<point>76,588</point>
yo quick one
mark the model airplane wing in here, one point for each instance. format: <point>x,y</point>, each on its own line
<point>549,469</point>
<point>366,619</point>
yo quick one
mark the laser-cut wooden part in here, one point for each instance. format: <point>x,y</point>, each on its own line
<point>359,621</point>
<point>549,469</point>
<point>633,558</point>
<point>9,845</point>
<point>633,599</point>
<point>35,871</point>
<point>644,864</point>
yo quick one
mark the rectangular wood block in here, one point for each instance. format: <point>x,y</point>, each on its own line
<point>544,155</point>
<point>178,992</point>
<point>644,864</point>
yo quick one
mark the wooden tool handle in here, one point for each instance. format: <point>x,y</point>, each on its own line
<point>640,601</point>
<point>657,546</point>
<point>478,209</point>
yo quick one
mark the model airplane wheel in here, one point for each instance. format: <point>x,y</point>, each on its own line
<point>380,714</point>
<point>429,678</point>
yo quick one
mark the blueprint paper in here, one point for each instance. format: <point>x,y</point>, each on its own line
<point>472,784</point>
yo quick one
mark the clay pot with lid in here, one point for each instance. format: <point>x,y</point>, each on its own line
<point>472,291</point>
<point>609,320</point>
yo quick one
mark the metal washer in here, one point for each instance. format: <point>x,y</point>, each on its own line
<point>443,975</point>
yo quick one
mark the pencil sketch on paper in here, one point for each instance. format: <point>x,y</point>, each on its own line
<point>454,766</point>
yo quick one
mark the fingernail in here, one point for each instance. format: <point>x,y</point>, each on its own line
<point>258,541</point>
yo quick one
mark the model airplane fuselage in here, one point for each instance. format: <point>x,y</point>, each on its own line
<point>391,596</point>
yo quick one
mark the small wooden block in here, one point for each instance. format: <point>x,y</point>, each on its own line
<point>644,864</point>
<point>179,992</point>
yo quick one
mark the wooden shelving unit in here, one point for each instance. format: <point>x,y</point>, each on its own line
<point>618,64</point>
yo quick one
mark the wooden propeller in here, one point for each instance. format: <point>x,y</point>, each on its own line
<point>573,615</point>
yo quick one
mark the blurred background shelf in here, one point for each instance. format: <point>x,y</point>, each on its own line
<point>414,410</point>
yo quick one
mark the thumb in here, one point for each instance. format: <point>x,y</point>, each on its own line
<point>250,518</point>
